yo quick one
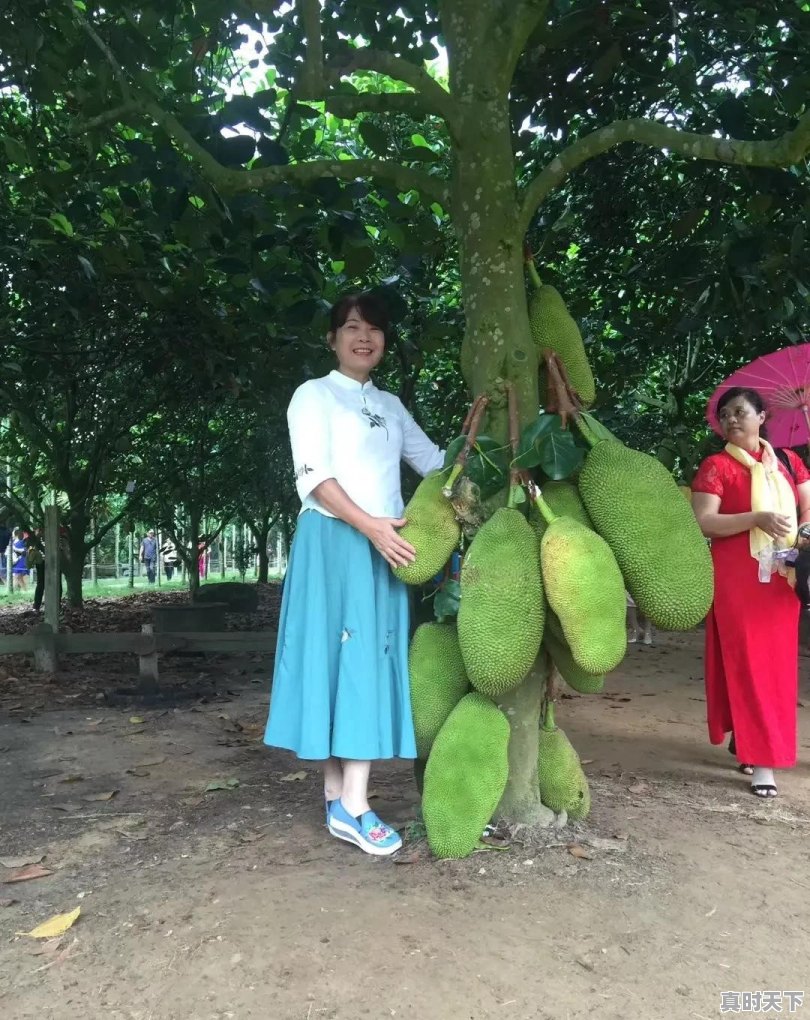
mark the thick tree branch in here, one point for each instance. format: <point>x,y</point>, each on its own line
<point>348,107</point>
<point>103,119</point>
<point>518,20</point>
<point>319,78</point>
<point>789,148</point>
<point>234,181</point>
<point>117,70</point>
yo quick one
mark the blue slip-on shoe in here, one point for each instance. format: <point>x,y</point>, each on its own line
<point>367,831</point>
<point>328,803</point>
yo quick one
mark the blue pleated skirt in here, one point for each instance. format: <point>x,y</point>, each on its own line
<point>340,683</point>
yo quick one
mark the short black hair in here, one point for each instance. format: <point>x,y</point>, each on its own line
<point>370,307</point>
<point>754,398</point>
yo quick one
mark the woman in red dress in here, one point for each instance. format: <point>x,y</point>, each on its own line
<point>752,631</point>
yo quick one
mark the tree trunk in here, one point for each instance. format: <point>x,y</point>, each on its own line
<point>194,559</point>
<point>73,565</point>
<point>498,347</point>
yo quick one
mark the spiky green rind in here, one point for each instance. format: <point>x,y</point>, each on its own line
<point>438,680</point>
<point>500,617</point>
<point>638,509</point>
<point>465,776</point>
<point>432,530</point>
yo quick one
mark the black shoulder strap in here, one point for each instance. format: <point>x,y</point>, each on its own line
<point>782,455</point>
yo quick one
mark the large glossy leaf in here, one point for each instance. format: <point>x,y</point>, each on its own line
<point>559,455</point>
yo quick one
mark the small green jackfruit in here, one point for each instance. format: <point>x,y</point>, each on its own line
<point>557,647</point>
<point>438,680</point>
<point>432,530</point>
<point>636,506</point>
<point>563,784</point>
<point>500,617</point>
<point>564,501</point>
<point>585,589</point>
<point>553,327</point>
<point>465,776</point>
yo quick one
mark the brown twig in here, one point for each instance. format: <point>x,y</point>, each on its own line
<point>514,431</point>
<point>471,427</point>
<point>470,414</point>
<point>564,400</point>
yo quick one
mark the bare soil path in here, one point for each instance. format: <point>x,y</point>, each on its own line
<point>234,902</point>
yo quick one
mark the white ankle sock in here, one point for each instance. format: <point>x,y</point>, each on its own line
<point>762,777</point>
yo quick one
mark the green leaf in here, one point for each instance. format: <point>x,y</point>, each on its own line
<point>528,451</point>
<point>61,223</point>
<point>374,138</point>
<point>596,428</point>
<point>447,600</point>
<point>87,266</point>
<point>517,495</point>
<point>559,455</point>
<point>419,154</point>
<point>15,151</point>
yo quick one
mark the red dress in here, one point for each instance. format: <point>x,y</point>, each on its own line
<point>752,632</point>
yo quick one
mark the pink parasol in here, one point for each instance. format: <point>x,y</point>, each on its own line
<point>783,380</point>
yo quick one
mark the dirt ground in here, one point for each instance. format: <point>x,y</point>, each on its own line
<point>236,903</point>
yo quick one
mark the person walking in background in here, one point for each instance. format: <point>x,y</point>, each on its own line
<point>169,557</point>
<point>148,555</point>
<point>745,500</point>
<point>637,623</point>
<point>19,568</point>
<point>5,541</point>
<point>340,690</point>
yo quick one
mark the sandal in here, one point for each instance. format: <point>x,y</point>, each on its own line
<point>765,790</point>
<point>747,770</point>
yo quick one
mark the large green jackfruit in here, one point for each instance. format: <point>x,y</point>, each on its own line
<point>432,530</point>
<point>636,506</point>
<point>438,680</point>
<point>573,674</point>
<point>500,617</point>
<point>465,776</point>
<point>584,587</point>
<point>553,327</point>
<point>564,500</point>
<point>563,784</point>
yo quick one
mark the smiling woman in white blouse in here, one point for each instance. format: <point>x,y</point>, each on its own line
<point>340,686</point>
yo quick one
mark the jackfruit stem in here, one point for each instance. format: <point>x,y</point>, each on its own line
<point>548,514</point>
<point>514,433</point>
<point>455,471</point>
<point>548,716</point>
<point>471,427</point>
<point>585,430</point>
<point>565,400</point>
<point>534,276</point>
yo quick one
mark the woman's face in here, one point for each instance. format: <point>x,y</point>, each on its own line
<point>741,422</point>
<point>358,345</point>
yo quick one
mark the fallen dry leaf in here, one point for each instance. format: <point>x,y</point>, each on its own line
<point>68,805</point>
<point>74,778</point>
<point>136,720</point>
<point>294,777</point>
<point>638,788</point>
<point>251,837</point>
<point>106,795</point>
<point>222,784</point>
<point>20,862</point>
<point>54,926</point>
<point>27,873</point>
<point>413,857</point>
<point>586,761</point>
<point>139,770</point>
<point>8,902</point>
<point>579,851</point>
<point>149,762</point>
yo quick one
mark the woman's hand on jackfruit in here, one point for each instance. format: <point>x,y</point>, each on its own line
<point>775,525</point>
<point>383,535</point>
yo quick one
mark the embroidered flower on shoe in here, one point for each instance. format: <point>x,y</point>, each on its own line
<point>379,833</point>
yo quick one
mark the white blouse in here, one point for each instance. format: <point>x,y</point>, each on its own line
<point>356,434</point>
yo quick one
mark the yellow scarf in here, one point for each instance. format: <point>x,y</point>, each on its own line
<point>770,492</point>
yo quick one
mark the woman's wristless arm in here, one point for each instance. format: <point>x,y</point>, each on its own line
<point>380,531</point>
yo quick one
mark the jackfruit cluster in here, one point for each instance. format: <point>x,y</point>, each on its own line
<point>584,587</point>
<point>432,530</point>
<point>563,784</point>
<point>637,508</point>
<point>500,617</point>
<point>438,680</point>
<point>465,776</point>
<point>553,327</point>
